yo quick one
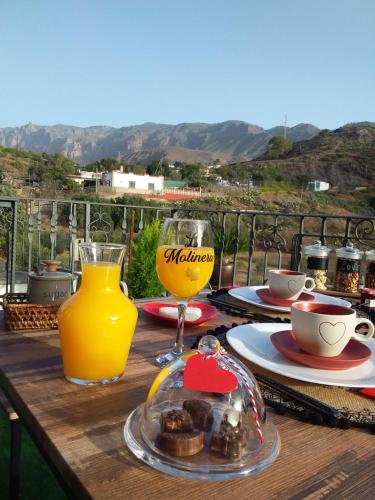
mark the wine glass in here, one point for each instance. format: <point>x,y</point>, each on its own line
<point>184,264</point>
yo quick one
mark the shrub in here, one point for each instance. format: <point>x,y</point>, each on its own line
<point>142,279</point>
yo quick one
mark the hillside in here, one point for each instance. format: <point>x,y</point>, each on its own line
<point>171,155</point>
<point>344,157</point>
<point>16,165</point>
<point>235,139</point>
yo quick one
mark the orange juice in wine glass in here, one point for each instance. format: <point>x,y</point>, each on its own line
<point>184,271</point>
<point>184,263</point>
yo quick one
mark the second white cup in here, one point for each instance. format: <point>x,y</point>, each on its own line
<point>286,284</point>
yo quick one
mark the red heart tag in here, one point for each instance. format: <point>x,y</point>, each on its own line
<point>204,374</point>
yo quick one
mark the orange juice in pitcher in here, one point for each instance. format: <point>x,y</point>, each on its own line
<point>97,323</point>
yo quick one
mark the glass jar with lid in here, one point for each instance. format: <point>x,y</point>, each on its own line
<point>370,269</point>
<point>348,266</point>
<point>317,263</point>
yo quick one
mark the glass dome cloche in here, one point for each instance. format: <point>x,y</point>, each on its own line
<point>204,418</point>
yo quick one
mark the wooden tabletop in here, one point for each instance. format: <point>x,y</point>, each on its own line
<point>80,430</point>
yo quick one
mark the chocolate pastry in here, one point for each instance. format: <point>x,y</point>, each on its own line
<point>176,421</point>
<point>180,444</point>
<point>229,443</point>
<point>201,413</point>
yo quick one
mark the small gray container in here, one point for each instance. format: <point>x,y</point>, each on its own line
<point>50,286</point>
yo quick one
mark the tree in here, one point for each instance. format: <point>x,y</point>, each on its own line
<point>103,165</point>
<point>158,168</point>
<point>239,174</point>
<point>193,174</point>
<point>301,180</point>
<point>142,279</point>
<point>138,169</point>
<point>52,169</point>
<point>278,146</point>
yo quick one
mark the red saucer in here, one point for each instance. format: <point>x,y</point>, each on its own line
<point>208,312</point>
<point>266,295</point>
<point>354,354</point>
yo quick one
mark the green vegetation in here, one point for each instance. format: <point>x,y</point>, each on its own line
<point>103,165</point>
<point>48,170</point>
<point>142,279</point>
<point>52,169</point>
<point>278,146</point>
<point>37,481</point>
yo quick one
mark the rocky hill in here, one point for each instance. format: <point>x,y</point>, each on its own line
<point>344,157</point>
<point>230,139</point>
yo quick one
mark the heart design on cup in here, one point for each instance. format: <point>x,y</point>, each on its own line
<point>204,374</point>
<point>295,286</point>
<point>332,333</point>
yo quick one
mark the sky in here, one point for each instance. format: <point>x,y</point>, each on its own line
<point>126,62</point>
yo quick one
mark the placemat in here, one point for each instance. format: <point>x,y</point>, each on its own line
<point>319,404</point>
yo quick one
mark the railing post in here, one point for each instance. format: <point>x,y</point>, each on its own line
<point>53,230</point>
<point>251,249</point>
<point>236,247</point>
<point>87,221</point>
<point>297,239</point>
<point>345,240</point>
<point>8,223</point>
<point>222,239</point>
<point>14,245</point>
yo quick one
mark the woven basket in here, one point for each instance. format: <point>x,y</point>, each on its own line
<point>20,315</point>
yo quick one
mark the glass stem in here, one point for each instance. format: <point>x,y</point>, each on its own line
<point>179,344</point>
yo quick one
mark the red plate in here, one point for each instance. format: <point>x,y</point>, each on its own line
<point>354,354</point>
<point>208,312</point>
<point>266,296</point>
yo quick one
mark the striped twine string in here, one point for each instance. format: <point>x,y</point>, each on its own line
<point>248,387</point>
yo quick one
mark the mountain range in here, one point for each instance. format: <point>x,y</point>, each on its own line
<point>189,142</point>
<point>344,157</point>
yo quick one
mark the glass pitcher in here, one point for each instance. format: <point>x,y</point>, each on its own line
<point>97,323</point>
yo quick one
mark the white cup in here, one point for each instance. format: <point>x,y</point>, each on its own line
<point>325,329</point>
<point>286,284</point>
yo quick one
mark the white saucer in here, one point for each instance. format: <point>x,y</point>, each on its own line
<point>253,342</point>
<point>248,294</point>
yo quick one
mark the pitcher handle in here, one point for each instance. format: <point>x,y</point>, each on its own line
<point>124,287</point>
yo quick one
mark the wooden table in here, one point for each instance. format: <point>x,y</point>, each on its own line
<point>80,430</point>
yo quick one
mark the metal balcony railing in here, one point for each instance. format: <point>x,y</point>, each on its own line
<point>32,230</point>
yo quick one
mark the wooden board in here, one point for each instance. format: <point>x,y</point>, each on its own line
<point>343,295</point>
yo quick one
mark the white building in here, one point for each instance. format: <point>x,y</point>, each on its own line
<point>117,179</point>
<point>318,186</point>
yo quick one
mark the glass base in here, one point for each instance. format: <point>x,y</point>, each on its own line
<point>163,359</point>
<point>103,381</point>
<point>205,468</point>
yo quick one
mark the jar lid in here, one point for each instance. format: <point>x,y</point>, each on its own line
<point>349,252</point>
<point>45,276</point>
<point>317,249</point>
<point>50,273</point>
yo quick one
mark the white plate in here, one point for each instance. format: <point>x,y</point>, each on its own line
<point>248,294</point>
<point>253,342</point>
